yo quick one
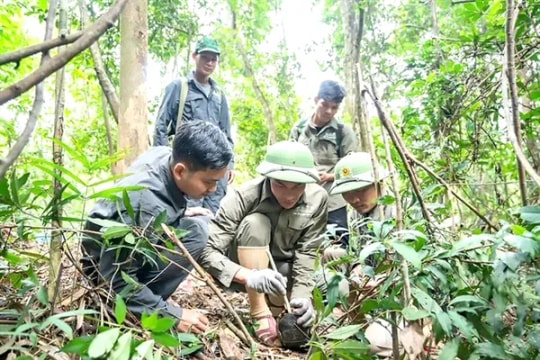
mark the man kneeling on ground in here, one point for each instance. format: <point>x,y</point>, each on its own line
<point>198,160</point>
<point>283,211</point>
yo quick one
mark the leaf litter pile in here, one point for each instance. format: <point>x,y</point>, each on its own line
<point>29,329</point>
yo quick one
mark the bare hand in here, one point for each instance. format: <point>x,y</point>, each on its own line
<point>192,321</point>
<point>230,178</point>
<point>198,211</point>
<point>325,177</point>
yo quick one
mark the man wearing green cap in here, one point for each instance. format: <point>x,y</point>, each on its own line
<point>197,97</point>
<point>329,140</point>
<point>283,212</point>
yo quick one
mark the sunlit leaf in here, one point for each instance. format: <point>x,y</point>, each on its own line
<point>343,332</point>
<point>103,343</point>
<point>120,309</point>
<point>408,253</point>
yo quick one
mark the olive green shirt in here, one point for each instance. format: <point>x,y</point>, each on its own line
<point>296,233</point>
<point>324,147</point>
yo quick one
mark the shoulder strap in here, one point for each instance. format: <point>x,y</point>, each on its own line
<point>339,137</point>
<point>182,100</point>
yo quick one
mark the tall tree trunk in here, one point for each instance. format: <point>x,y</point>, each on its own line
<point>133,115</point>
<point>353,26</point>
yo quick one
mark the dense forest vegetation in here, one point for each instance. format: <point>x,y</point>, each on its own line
<point>445,93</point>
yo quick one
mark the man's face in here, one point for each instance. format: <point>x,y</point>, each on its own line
<point>286,193</point>
<point>197,184</point>
<point>325,110</point>
<point>362,200</point>
<point>205,62</point>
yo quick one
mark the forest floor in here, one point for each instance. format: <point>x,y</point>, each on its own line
<point>222,341</point>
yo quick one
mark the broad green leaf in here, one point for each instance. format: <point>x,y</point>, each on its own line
<point>463,325</point>
<point>471,242</point>
<point>408,253</point>
<point>491,350</point>
<point>24,327</point>
<point>148,321</point>
<point>144,350</point>
<point>163,324</point>
<point>130,239</point>
<point>411,313</point>
<point>444,321</point>
<point>122,350</point>
<point>62,325</point>
<point>116,232</point>
<point>187,338</point>
<point>120,309</point>
<point>522,243</point>
<point>530,214</point>
<point>318,355</point>
<point>369,249</point>
<point>343,332</point>
<point>78,345</point>
<point>114,192</point>
<point>318,300</point>
<point>160,219</point>
<point>165,339</point>
<point>349,347</point>
<point>450,350</point>
<point>103,343</point>
<point>106,223</point>
<point>190,349</point>
<point>469,299</point>
<point>127,205</point>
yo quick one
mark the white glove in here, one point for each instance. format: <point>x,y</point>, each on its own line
<point>267,281</point>
<point>303,309</point>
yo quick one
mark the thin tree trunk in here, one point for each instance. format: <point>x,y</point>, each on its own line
<point>108,132</point>
<point>104,81</point>
<point>133,116</point>
<point>55,246</point>
<point>514,125</point>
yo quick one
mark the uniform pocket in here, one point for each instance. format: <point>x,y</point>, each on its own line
<point>299,223</point>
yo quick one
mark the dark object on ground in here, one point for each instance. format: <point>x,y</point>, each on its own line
<point>291,335</point>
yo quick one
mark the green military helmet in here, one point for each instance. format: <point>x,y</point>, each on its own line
<point>355,171</point>
<point>289,161</point>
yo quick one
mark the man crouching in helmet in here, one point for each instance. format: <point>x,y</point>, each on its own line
<point>283,211</point>
<point>361,188</point>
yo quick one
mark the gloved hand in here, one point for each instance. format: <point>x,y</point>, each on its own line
<point>303,309</point>
<point>267,281</point>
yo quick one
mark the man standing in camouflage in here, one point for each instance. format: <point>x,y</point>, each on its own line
<point>283,212</point>
<point>329,140</point>
<point>203,100</point>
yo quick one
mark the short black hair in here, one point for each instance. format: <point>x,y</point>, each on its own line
<point>331,90</point>
<point>201,145</point>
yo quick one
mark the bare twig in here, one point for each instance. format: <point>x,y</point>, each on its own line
<point>171,235</point>
<point>273,264</point>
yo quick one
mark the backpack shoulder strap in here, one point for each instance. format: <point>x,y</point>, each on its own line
<point>339,137</point>
<point>181,100</point>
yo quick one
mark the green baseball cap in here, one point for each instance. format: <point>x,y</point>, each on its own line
<point>289,161</point>
<point>355,171</point>
<point>206,43</point>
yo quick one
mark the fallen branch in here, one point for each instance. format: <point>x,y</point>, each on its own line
<point>172,236</point>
